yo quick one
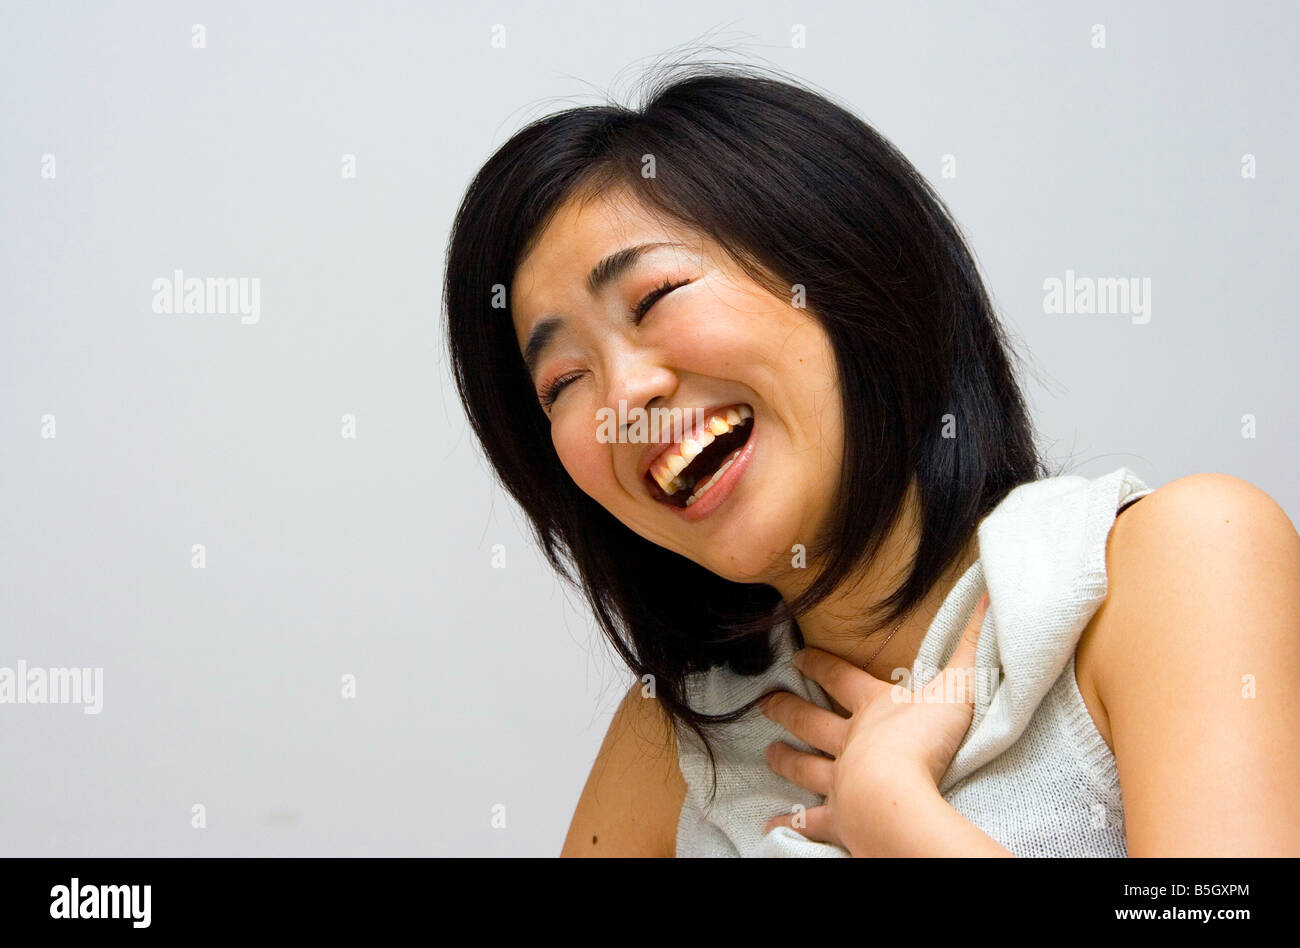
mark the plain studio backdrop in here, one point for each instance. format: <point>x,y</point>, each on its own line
<point>348,673</point>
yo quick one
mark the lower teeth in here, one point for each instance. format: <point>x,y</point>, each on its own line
<point>699,491</point>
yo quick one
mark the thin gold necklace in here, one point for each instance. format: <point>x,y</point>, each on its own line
<point>868,662</point>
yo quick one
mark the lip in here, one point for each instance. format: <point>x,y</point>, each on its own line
<point>719,492</point>
<point>656,449</point>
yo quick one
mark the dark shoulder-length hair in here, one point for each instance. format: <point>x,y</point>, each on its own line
<point>798,191</point>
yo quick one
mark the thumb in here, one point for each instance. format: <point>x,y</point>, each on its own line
<point>963,659</point>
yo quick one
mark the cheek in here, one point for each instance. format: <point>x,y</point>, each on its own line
<point>739,329</point>
<point>586,460</point>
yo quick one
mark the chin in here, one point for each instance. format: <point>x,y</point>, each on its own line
<point>739,562</point>
<point>754,575</point>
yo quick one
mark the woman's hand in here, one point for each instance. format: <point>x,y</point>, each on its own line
<point>888,755</point>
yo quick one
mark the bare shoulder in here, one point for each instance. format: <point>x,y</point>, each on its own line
<point>1161,545</point>
<point>1201,534</point>
<point>1204,528</point>
<point>633,797</point>
<point>1189,664</point>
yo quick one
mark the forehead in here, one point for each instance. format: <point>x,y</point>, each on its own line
<point>552,276</point>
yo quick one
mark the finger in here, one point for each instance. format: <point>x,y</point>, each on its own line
<point>964,656</point>
<point>813,823</point>
<point>958,678</point>
<point>848,684</point>
<point>815,726</point>
<point>807,770</point>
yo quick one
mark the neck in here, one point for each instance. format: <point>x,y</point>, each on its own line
<point>834,624</point>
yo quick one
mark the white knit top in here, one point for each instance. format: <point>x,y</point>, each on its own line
<point>1032,771</point>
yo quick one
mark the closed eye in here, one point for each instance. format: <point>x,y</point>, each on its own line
<point>655,295</point>
<point>551,391</point>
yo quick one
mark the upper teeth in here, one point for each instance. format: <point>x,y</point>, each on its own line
<point>673,461</point>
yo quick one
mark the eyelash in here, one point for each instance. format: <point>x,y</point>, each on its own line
<point>552,390</point>
<point>663,289</point>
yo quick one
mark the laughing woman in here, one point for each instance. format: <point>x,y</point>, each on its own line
<point>959,653</point>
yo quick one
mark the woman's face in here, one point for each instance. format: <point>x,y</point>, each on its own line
<point>717,348</point>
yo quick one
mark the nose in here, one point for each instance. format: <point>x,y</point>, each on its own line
<point>637,380</point>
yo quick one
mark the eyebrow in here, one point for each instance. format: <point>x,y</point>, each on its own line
<point>602,274</point>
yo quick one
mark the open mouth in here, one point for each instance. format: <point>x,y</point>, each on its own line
<point>684,473</point>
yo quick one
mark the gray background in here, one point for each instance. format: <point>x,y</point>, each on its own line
<point>372,557</point>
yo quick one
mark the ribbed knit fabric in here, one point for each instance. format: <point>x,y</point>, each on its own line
<point>1032,771</point>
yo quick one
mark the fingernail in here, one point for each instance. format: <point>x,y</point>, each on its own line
<point>763,702</point>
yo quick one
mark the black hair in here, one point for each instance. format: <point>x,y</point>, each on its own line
<point>797,190</point>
